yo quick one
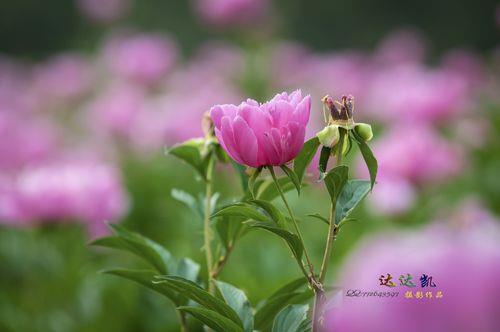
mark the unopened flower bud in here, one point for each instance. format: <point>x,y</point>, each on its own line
<point>329,136</point>
<point>341,112</point>
<point>364,130</point>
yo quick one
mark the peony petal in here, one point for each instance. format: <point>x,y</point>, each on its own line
<point>295,97</point>
<point>296,140</point>
<point>227,135</point>
<point>279,143</point>
<point>282,113</point>
<point>246,142</point>
<point>303,111</point>
<point>216,113</point>
<point>271,152</point>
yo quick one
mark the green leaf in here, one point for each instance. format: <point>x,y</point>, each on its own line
<point>319,217</point>
<point>370,160</point>
<point>291,239</point>
<point>352,194</point>
<point>199,295</point>
<point>305,157</point>
<point>188,269</point>
<point>241,210</point>
<point>305,326</point>
<point>145,278</point>
<point>272,211</point>
<point>335,180</point>
<point>290,287</point>
<point>323,160</point>
<point>212,319</point>
<point>265,315</point>
<point>191,153</point>
<point>293,177</point>
<point>290,318</point>
<point>152,252</point>
<point>188,200</point>
<point>229,229</point>
<point>237,300</point>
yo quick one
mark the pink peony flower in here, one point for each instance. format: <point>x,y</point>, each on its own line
<point>231,12</point>
<point>266,134</point>
<point>142,58</point>
<point>464,266</point>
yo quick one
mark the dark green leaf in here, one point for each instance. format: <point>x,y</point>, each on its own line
<point>155,254</point>
<point>319,217</point>
<point>212,319</point>
<point>370,160</point>
<point>335,180</point>
<point>188,200</point>
<point>352,194</point>
<point>323,160</point>
<point>293,177</point>
<point>145,278</point>
<point>199,295</point>
<point>305,157</point>
<point>291,239</point>
<point>290,318</point>
<point>241,210</point>
<point>237,300</point>
<point>272,211</point>
<point>290,287</point>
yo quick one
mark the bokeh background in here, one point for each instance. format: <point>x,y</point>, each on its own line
<point>92,91</point>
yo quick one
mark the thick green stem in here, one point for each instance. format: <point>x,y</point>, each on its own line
<point>332,233</point>
<point>207,231</point>
<point>310,276</point>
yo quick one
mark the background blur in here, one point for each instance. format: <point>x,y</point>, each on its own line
<point>92,91</point>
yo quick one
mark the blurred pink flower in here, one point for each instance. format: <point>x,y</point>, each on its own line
<point>62,78</point>
<point>104,10</point>
<point>392,196</point>
<point>411,93</point>
<point>231,12</point>
<point>464,266</point>
<point>409,157</point>
<point>266,134</point>
<point>180,117</point>
<point>88,192</point>
<point>142,58</point>
<point>26,140</point>
<point>115,111</point>
<point>416,154</point>
<point>399,47</point>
